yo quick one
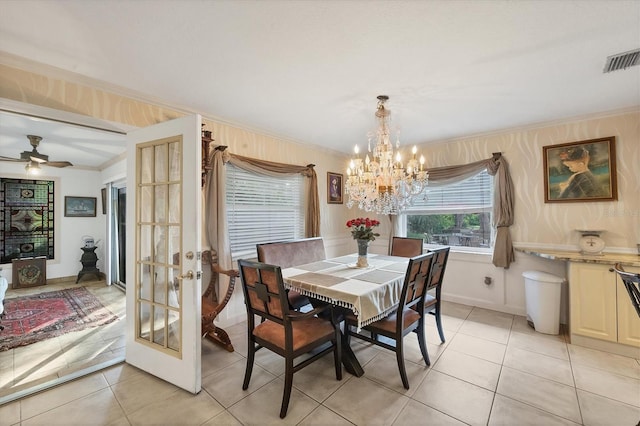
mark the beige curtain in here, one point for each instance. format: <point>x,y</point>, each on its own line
<point>215,201</point>
<point>497,166</point>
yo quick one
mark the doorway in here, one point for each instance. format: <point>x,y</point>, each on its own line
<point>118,233</point>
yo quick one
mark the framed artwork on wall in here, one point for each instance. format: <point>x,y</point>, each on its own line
<point>334,188</point>
<point>80,206</point>
<point>583,171</point>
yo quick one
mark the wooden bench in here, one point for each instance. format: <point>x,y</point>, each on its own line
<point>292,253</point>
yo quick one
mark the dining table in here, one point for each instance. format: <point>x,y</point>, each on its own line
<point>371,293</point>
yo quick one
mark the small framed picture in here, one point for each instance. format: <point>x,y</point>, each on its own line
<point>103,192</point>
<point>80,206</point>
<point>580,171</point>
<point>334,188</point>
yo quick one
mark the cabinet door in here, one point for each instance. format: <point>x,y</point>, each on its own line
<point>593,301</point>
<point>628,320</point>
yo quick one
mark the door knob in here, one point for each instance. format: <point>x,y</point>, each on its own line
<point>188,275</point>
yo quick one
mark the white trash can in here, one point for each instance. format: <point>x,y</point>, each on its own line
<point>543,294</point>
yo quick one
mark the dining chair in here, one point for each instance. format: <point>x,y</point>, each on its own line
<point>632,284</point>
<point>406,247</point>
<point>433,299</point>
<point>408,317</point>
<point>292,253</point>
<point>288,333</point>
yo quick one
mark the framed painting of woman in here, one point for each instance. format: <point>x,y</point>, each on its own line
<point>580,171</point>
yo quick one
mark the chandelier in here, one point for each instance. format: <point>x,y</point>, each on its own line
<point>381,183</point>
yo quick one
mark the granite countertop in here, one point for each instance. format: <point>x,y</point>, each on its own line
<point>575,256</point>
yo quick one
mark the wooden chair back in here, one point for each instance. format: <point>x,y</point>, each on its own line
<point>406,247</point>
<point>264,292</point>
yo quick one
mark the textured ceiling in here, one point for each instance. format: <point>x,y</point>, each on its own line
<point>310,71</point>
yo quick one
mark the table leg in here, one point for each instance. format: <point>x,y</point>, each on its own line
<point>349,360</point>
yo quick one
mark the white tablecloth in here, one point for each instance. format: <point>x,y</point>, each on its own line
<point>371,293</point>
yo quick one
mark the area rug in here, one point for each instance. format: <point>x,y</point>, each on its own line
<point>31,319</point>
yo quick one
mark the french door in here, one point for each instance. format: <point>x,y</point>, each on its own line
<point>163,251</point>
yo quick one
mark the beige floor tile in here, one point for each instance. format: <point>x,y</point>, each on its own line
<point>431,333</point>
<point>610,385</point>
<point>98,408</point>
<point>179,408</point>
<point>6,359</point>
<point>541,393</point>
<point>479,348</point>
<point>540,365</point>
<point>415,413</point>
<point>263,406</point>
<point>461,400</point>
<point>120,373</point>
<point>521,325</point>
<point>457,310</point>
<point>469,368</point>
<point>270,361</point>
<point>223,419</point>
<point>215,358</point>
<point>605,361</point>
<point>450,323</point>
<point>536,342</point>
<point>10,413</point>
<point>226,385</point>
<point>318,380</point>
<point>37,404</point>
<point>383,369</point>
<point>322,416</point>
<point>141,391</point>
<point>598,410</point>
<point>509,412</point>
<point>485,331</point>
<point>494,318</point>
<point>364,402</point>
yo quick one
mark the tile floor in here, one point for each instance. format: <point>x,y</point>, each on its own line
<point>25,366</point>
<point>493,370</point>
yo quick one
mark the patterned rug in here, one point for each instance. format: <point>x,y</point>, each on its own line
<point>31,319</point>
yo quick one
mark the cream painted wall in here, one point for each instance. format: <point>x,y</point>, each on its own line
<point>536,223</point>
<point>553,225</point>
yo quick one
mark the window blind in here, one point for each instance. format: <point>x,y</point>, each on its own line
<point>262,209</point>
<point>473,195</point>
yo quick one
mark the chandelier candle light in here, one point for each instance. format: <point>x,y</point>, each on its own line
<point>362,232</point>
<point>381,183</point>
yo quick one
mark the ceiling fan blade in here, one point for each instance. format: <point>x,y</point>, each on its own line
<point>17,160</point>
<point>58,163</point>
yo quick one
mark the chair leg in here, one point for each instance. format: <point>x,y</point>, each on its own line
<point>288,384</point>
<point>422,342</point>
<point>439,322</point>
<point>400,359</point>
<point>251,351</point>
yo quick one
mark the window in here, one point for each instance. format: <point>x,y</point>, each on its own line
<point>456,215</point>
<point>262,208</point>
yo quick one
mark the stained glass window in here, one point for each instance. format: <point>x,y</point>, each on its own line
<point>27,218</point>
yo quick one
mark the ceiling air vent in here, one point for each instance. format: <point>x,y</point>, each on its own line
<point>622,61</point>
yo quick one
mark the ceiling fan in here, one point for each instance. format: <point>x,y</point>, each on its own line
<point>34,158</point>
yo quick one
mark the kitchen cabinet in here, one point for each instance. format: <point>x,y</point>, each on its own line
<point>600,307</point>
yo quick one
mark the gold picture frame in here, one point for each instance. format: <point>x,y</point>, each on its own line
<point>334,188</point>
<point>583,171</point>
